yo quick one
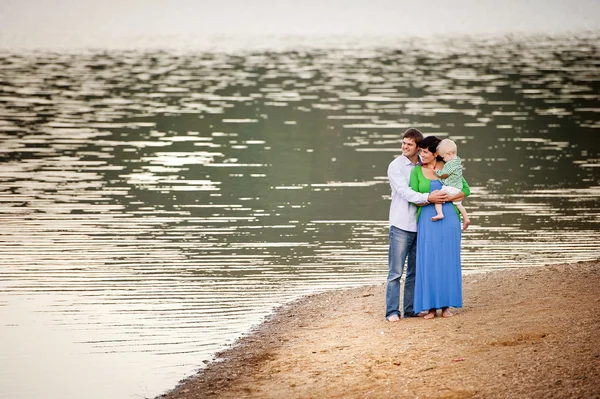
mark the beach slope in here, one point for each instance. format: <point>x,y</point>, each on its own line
<point>526,333</point>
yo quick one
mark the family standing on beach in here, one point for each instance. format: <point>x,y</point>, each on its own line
<point>425,230</point>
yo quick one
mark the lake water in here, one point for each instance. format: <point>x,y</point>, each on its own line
<point>155,205</point>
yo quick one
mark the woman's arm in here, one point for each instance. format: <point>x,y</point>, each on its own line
<point>466,189</point>
<point>414,183</point>
<point>434,197</point>
<point>419,183</point>
<point>458,197</point>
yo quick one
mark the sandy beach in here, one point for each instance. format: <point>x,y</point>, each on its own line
<point>522,333</point>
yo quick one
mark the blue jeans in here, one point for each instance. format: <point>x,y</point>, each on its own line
<point>403,245</point>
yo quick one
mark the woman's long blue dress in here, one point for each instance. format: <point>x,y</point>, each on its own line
<point>439,279</point>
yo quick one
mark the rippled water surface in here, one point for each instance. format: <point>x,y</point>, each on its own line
<point>156,205</point>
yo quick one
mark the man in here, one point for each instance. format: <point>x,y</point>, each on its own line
<point>403,226</point>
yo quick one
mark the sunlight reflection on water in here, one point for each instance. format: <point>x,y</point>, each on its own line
<point>157,205</point>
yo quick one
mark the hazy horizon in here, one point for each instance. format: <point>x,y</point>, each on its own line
<point>60,24</point>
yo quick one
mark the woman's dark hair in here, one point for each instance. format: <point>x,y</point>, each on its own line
<point>429,142</point>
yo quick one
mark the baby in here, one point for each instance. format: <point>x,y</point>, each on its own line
<point>451,178</point>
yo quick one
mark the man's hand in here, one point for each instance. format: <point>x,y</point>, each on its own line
<point>437,197</point>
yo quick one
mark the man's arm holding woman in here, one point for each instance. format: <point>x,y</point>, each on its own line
<point>401,185</point>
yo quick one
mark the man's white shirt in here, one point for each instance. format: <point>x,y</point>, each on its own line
<point>403,214</point>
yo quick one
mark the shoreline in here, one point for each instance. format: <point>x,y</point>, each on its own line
<point>528,332</point>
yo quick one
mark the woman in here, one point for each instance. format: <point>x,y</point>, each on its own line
<point>438,282</point>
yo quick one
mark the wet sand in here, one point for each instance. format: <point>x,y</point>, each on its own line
<point>526,333</point>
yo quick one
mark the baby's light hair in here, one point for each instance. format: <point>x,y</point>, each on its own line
<point>447,146</point>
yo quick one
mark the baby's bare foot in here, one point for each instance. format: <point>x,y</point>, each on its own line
<point>438,217</point>
<point>466,224</point>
